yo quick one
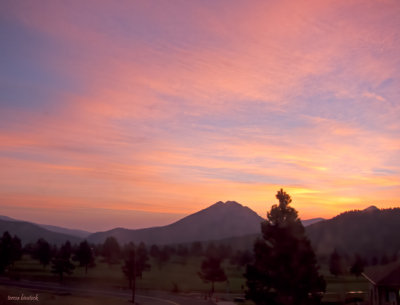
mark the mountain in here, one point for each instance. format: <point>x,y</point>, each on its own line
<point>77,233</point>
<point>371,209</point>
<point>29,232</point>
<point>7,218</point>
<point>220,220</point>
<point>311,221</point>
<point>370,232</point>
<point>72,232</point>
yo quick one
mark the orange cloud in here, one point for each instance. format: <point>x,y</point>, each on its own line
<point>195,104</point>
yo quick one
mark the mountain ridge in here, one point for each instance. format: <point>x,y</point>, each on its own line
<point>29,232</point>
<point>52,228</point>
<point>369,232</point>
<point>221,220</point>
<point>231,219</point>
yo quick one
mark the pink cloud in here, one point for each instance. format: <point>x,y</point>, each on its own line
<point>186,106</point>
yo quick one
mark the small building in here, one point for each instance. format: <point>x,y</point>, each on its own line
<point>384,284</point>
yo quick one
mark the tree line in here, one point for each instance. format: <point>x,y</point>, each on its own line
<point>282,269</point>
<point>372,234</point>
<point>134,259</point>
<point>341,263</point>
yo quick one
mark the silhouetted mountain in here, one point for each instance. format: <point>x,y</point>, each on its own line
<point>370,232</point>
<point>78,233</point>
<point>7,218</point>
<point>221,220</point>
<point>371,209</point>
<point>29,232</point>
<point>72,232</point>
<point>311,221</point>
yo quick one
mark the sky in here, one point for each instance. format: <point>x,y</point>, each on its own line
<point>137,113</point>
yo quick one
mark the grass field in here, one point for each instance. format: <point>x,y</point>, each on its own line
<point>343,287</point>
<point>178,275</point>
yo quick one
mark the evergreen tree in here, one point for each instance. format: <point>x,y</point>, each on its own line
<point>285,270</point>
<point>111,250</point>
<point>65,250</point>
<point>142,259</point>
<point>163,256</point>
<point>84,255</point>
<point>42,252</point>
<point>10,250</point>
<point>358,266</point>
<point>62,264</point>
<point>335,263</point>
<point>129,267</point>
<point>135,262</point>
<point>182,250</point>
<point>16,249</point>
<point>196,248</point>
<point>211,250</point>
<point>211,271</point>
<point>154,251</point>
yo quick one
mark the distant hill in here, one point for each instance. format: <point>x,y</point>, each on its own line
<point>73,232</point>
<point>7,218</point>
<point>77,233</point>
<point>220,220</point>
<point>311,221</point>
<point>246,242</point>
<point>230,221</point>
<point>370,232</point>
<point>29,232</point>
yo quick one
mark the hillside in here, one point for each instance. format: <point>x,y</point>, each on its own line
<point>370,232</point>
<point>29,232</point>
<point>309,222</point>
<point>52,228</point>
<point>76,233</point>
<point>219,221</point>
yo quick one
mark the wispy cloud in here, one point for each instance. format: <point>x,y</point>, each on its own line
<point>169,107</point>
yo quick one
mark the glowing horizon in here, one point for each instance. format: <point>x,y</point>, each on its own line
<point>134,114</point>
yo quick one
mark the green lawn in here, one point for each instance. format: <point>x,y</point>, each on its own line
<point>178,274</point>
<point>343,287</point>
<point>183,274</point>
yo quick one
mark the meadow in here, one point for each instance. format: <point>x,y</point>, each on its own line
<point>179,275</point>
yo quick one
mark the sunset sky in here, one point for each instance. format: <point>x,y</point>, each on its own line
<point>136,113</point>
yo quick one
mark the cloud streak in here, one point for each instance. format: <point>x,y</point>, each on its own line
<point>169,107</point>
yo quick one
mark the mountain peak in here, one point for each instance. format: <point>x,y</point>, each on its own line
<point>229,203</point>
<point>232,203</point>
<point>371,209</point>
